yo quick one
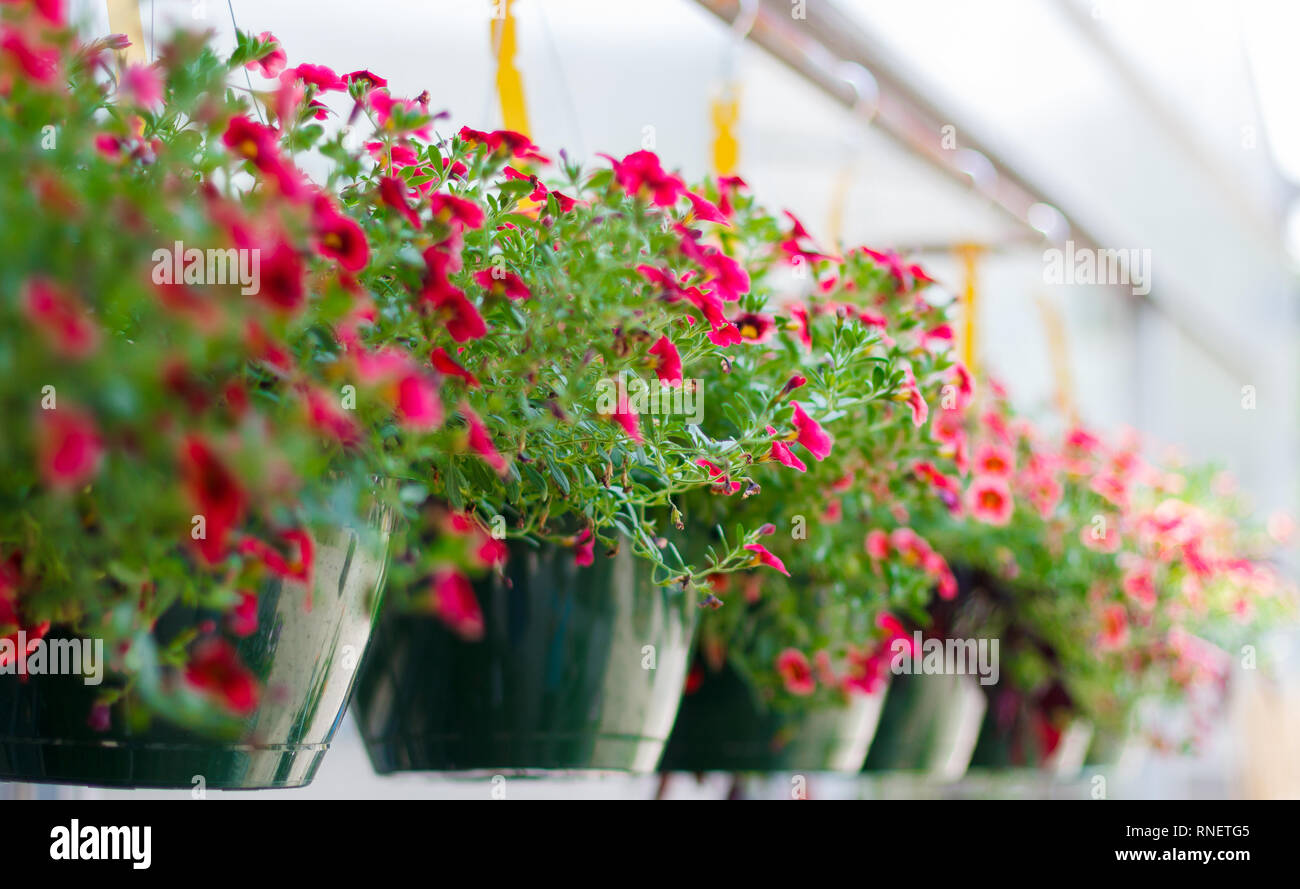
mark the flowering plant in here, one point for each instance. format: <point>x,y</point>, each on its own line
<point>1109,577</point>
<point>220,354</point>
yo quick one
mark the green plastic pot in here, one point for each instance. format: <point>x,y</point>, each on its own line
<point>304,659</point>
<point>579,668</point>
<point>930,724</point>
<point>722,727</point>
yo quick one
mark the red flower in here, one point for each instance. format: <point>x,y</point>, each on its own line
<point>640,172</point>
<point>214,493</point>
<point>281,279</point>
<point>802,329</point>
<point>1114,628</point>
<point>795,671</point>
<point>259,145</point>
<point>319,76</point>
<point>499,282</point>
<point>480,440</point>
<point>462,319</point>
<point>298,567</point>
<point>782,454</point>
<point>339,237</point>
<point>811,435</point>
<point>369,78</point>
<point>273,61</point>
<point>243,617</point>
<point>418,405</point>
<point>215,668</point>
<point>443,363</point>
<point>877,544</point>
<point>58,316</point>
<point>667,362</point>
<point>1105,542</point>
<point>584,552</point>
<point>721,482</point>
<point>506,142</point>
<point>989,500</point>
<point>325,416</point>
<point>456,212</point>
<point>906,277</point>
<point>70,448</point>
<point>41,64</point>
<point>392,191</point>
<point>911,393</point>
<point>454,602</point>
<point>704,210</point>
<point>728,186</point>
<point>763,557</point>
<point>754,328</point>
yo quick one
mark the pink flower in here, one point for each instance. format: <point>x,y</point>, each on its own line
<point>782,454</point>
<point>456,212</point>
<point>989,500</point>
<point>319,76</point>
<point>704,210</point>
<point>502,283</point>
<point>339,237</point>
<point>641,173</point>
<point>763,557</point>
<point>142,85</point>
<point>993,460</point>
<point>418,405</point>
<point>811,435</point>
<point>877,544</point>
<point>754,328</point>
<point>626,416</point>
<point>584,549</point>
<point>260,146</point>
<point>912,395</point>
<point>795,671</point>
<point>1102,538</point>
<point>453,601</point>
<point>480,440</point>
<point>1114,628</point>
<point>720,480</point>
<point>392,191</point>
<point>803,331</point>
<point>667,362</point>
<point>273,61</point>
<point>58,316</point>
<point>69,447</point>
<point>445,364</point>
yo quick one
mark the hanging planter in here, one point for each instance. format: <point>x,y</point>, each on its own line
<point>302,656</point>
<point>722,728</point>
<point>929,724</point>
<point>577,668</point>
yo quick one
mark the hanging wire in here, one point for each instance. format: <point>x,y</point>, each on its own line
<point>566,88</point>
<point>247,77</point>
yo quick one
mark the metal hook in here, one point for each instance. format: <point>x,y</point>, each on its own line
<point>864,86</point>
<point>741,25</point>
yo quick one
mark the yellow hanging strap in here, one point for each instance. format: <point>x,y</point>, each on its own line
<point>839,192</point>
<point>969,255</point>
<point>124,18</point>
<point>1059,353</point>
<point>510,83</point>
<point>725,114</point>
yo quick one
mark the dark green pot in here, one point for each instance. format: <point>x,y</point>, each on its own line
<point>930,723</point>
<point>305,661</point>
<point>723,728</point>
<point>579,668</point>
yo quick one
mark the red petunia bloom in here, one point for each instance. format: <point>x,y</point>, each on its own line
<point>989,500</point>
<point>504,142</point>
<point>584,549</point>
<point>281,279</point>
<point>992,459</point>
<point>460,316</point>
<point>392,191</point>
<point>456,212</point>
<point>319,76</point>
<point>445,364</point>
<point>214,493</point>
<point>796,672</point>
<point>782,454</point>
<point>728,186</point>
<point>384,105</point>
<point>215,669</point>
<point>906,277</point>
<point>260,146</point>
<point>763,557</point>
<point>273,61</point>
<point>453,600</point>
<point>911,393</point>
<point>69,448</point>
<point>339,237</point>
<point>41,64</point>
<point>1107,541</point>
<point>243,617</point>
<point>499,282</point>
<point>1114,628</point>
<point>418,406</point>
<point>640,173</point>
<point>802,329</point>
<point>327,417</point>
<point>811,435</point>
<point>876,543</point>
<point>667,362</point>
<point>298,566</point>
<point>480,440</point>
<point>704,210</point>
<point>58,316</point>
<point>754,328</point>
<point>721,483</point>
<point>368,78</point>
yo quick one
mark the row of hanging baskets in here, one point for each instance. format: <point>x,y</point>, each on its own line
<point>553,466</point>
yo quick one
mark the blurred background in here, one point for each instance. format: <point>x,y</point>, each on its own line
<point>974,137</point>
